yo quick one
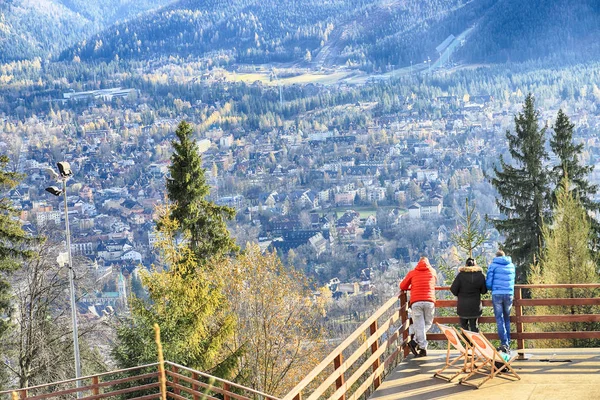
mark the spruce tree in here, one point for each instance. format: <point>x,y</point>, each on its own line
<point>470,233</point>
<point>567,258</point>
<point>187,190</point>
<point>568,152</point>
<point>189,304</point>
<point>13,245</point>
<point>523,186</point>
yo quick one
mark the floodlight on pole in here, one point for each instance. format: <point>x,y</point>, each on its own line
<point>65,172</point>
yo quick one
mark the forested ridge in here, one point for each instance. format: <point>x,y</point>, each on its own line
<point>514,30</point>
<point>371,35</point>
<point>362,32</point>
<point>30,28</point>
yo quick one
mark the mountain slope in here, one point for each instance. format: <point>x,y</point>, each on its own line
<point>516,30</point>
<point>31,28</point>
<point>259,31</point>
<point>371,34</point>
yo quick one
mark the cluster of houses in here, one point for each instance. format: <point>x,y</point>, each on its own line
<point>302,188</point>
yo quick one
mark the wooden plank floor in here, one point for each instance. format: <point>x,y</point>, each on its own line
<point>548,374</point>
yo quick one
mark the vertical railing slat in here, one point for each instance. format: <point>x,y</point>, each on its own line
<point>226,388</point>
<point>195,385</point>
<point>519,324</point>
<point>374,348</point>
<point>403,319</point>
<point>174,369</point>
<point>96,388</point>
<point>339,382</point>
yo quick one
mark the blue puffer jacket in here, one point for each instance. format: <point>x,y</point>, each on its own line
<point>500,277</point>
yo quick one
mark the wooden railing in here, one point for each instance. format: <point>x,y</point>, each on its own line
<point>346,381</point>
<point>353,370</point>
<point>185,383</point>
<point>363,359</point>
<point>141,383</point>
<point>521,320</point>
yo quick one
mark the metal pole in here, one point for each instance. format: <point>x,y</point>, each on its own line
<point>72,291</point>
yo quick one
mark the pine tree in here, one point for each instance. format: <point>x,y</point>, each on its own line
<point>187,189</point>
<point>523,189</point>
<point>470,235</point>
<point>13,244</point>
<point>567,258</point>
<point>188,302</point>
<point>568,152</point>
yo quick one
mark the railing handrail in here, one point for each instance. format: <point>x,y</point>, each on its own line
<point>543,286</point>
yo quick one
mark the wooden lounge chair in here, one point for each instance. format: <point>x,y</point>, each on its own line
<point>466,354</point>
<point>492,363</point>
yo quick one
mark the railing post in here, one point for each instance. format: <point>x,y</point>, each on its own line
<point>23,394</point>
<point>195,385</point>
<point>519,322</point>
<point>96,388</point>
<point>226,390</point>
<point>298,397</point>
<point>174,369</point>
<point>374,348</point>
<point>337,363</point>
<point>404,319</point>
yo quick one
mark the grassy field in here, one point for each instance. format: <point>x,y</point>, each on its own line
<point>309,77</point>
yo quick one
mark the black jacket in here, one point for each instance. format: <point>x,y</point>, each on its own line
<point>468,286</point>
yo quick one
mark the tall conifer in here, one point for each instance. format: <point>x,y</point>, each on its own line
<point>523,188</point>
<point>567,258</point>
<point>13,245</point>
<point>569,165</point>
<point>188,302</point>
<point>187,189</point>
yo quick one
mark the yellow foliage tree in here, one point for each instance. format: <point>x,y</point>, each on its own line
<point>566,259</point>
<point>278,322</point>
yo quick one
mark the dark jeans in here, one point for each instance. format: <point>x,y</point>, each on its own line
<point>502,305</point>
<point>469,324</point>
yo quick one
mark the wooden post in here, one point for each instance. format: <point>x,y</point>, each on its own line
<point>298,397</point>
<point>404,319</point>
<point>337,363</point>
<point>374,348</point>
<point>175,379</point>
<point>519,323</point>
<point>96,388</point>
<point>23,394</point>
<point>195,385</point>
<point>226,389</point>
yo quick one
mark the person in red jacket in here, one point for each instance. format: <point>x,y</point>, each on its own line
<point>421,283</point>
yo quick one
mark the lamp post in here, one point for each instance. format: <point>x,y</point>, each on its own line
<point>65,173</point>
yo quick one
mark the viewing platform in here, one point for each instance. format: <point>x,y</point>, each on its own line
<point>374,362</point>
<point>547,374</point>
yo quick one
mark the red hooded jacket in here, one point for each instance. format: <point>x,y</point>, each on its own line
<point>421,282</point>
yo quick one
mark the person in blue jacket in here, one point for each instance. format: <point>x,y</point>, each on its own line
<point>501,281</point>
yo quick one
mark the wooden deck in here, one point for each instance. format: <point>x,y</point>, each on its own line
<point>547,374</point>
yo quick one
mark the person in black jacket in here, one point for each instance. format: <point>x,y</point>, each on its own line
<point>468,286</point>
